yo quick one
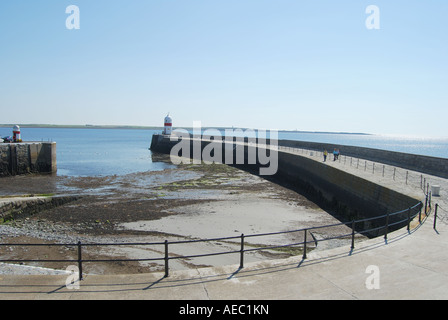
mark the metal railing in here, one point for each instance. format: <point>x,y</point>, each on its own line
<point>403,217</point>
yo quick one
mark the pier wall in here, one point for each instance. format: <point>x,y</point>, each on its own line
<point>347,196</point>
<point>27,157</point>
<point>425,164</point>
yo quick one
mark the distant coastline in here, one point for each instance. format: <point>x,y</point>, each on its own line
<point>76,126</point>
<point>92,126</point>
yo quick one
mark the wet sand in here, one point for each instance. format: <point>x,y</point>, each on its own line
<point>184,203</point>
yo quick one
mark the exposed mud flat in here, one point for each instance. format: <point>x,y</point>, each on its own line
<point>183,203</point>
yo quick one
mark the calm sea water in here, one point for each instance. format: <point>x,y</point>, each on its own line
<point>434,147</point>
<point>101,152</point>
<point>97,152</point>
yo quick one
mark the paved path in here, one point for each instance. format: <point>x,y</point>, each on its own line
<point>410,265</point>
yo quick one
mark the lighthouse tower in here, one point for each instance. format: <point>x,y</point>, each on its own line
<point>17,137</point>
<point>168,125</point>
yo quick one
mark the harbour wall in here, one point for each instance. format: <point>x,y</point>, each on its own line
<point>347,196</point>
<point>425,164</point>
<point>12,208</point>
<point>27,157</point>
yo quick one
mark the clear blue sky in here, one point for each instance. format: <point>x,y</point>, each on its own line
<point>283,64</point>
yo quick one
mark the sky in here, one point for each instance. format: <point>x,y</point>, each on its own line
<point>283,64</point>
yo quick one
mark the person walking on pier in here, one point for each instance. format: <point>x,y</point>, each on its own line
<point>325,155</point>
<point>336,154</point>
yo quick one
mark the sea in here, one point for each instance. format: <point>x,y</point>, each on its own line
<point>83,152</point>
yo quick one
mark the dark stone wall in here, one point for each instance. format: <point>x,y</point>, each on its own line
<point>23,158</point>
<point>348,196</point>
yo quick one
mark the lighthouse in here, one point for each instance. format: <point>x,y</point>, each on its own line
<point>16,134</point>
<point>168,125</point>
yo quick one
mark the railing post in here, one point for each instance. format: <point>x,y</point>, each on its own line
<point>80,260</point>
<point>242,252</point>
<point>387,226</point>
<point>429,200</point>
<point>353,235</point>
<point>435,215</point>
<point>426,208</point>
<point>409,219</point>
<point>304,245</point>
<point>166,260</point>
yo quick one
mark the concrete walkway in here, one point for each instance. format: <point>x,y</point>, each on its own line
<point>409,265</point>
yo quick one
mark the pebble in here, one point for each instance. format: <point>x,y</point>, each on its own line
<point>13,269</point>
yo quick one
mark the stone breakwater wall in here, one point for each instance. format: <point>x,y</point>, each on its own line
<point>348,196</point>
<point>20,207</point>
<point>27,157</point>
<point>425,164</point>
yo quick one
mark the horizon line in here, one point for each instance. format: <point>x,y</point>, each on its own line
<point>149,127</point>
